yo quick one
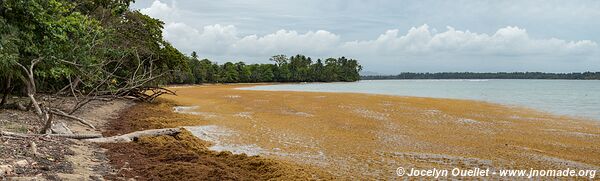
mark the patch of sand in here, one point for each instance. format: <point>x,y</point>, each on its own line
<point>89,160</point>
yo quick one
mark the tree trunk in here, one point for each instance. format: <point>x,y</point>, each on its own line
<point>48,126</point>
<point>36,106</point>
<point>5,92</point>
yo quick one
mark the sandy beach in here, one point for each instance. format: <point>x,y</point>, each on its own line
<point>363,135</point>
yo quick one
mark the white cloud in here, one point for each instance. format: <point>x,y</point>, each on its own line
<point>213,39</point>
<point>419,44</point>
<point>512,41</point>
<point>160,10</point>
<point>289,42</point>
<point>508,41</point>
<point>218,39</point>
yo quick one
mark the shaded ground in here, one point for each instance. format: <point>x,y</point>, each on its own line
<point>50,162</point>
<point>184,156</point>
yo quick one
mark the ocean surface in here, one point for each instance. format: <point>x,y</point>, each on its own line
<point>579,98</point>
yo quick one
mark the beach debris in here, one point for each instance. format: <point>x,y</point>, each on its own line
<point>296,113</point>
<point>246,115</point>
<point>184,109</point>
<point>468,121</point>
<point>72,136</point>
<point>21,163</point>
<point>6,170</point>
<point>189,110</point>
<point>61,128</point>
<point>233,96</point>
<point>33,147</point>
<point>371,114</point>
<point>135,135</point>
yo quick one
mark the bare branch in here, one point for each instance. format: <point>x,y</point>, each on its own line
<point>63,114</point>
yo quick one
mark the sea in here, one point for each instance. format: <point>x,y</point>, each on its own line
<point>576,98</point>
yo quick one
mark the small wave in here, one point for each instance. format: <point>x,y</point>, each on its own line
<point>216,135</point>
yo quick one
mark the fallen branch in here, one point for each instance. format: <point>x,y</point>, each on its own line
<point>135,135</point>
<point>11,134</point>
<point>63,114</point>
<point>97,138</point>
<point>72,136</point>
<point>77,136</point>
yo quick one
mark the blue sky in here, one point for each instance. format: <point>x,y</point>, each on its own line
<point>391,36</point>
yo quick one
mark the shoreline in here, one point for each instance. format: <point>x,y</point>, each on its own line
<point>510,105</point>
<point>185,156</point>
<point>313,135</point>
<point>263,124</point>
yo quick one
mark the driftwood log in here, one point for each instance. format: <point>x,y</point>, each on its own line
<point>135,135</point>
<point>11,134</point>
<point>97,138</point>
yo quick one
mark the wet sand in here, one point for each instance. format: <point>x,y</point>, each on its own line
<point>369,136</point>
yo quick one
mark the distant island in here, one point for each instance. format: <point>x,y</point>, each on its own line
<point>496,75</point>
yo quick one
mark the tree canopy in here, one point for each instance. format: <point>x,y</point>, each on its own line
<point>87,40</point>
<point>102,47</point>
<point>298,68</point>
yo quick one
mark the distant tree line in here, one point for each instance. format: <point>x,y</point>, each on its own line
<point>298,68</point>
<point>497,75</point>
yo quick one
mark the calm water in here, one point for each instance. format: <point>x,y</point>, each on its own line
<point>564,97</point>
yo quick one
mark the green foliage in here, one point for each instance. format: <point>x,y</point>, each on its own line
<point>90,40</point>
<point>108,47</point>
<point>9,50</point>
<point>49,31</point>
<point>297,68</point>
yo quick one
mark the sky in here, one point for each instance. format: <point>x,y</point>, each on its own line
<point>391,36</point>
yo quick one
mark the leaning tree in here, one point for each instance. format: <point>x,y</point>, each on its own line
<point>88,49</point>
